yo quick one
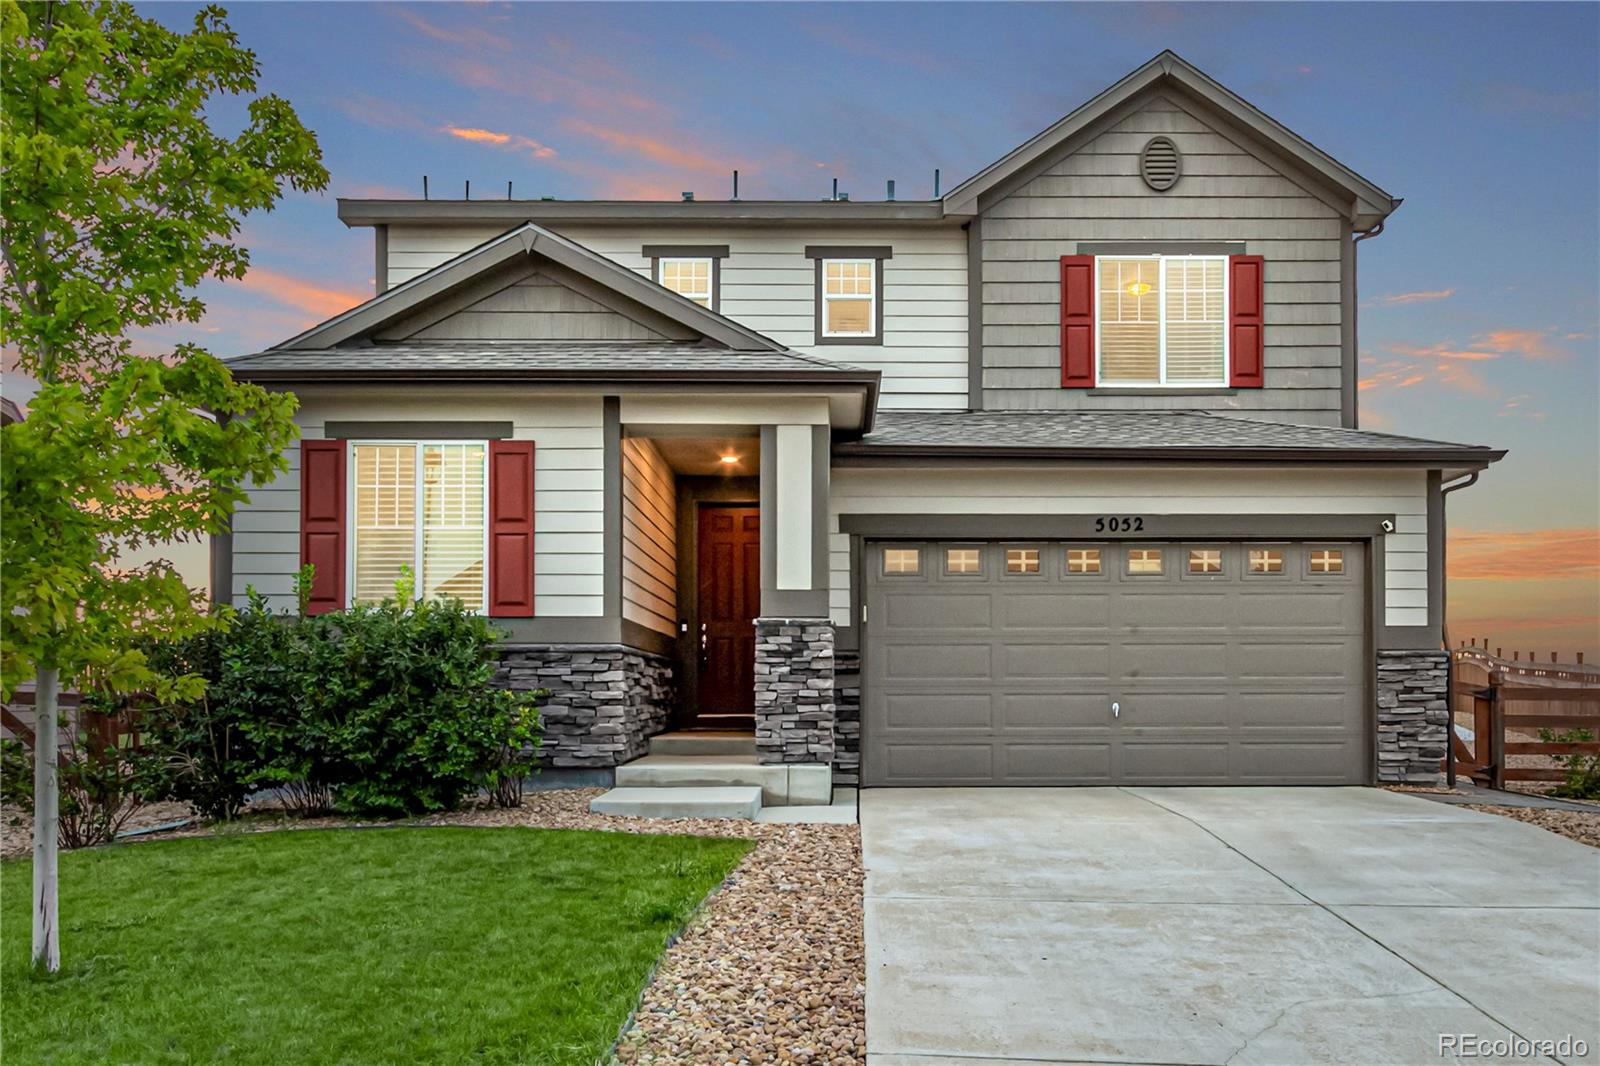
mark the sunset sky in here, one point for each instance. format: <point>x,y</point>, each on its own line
<point>1479,304</point>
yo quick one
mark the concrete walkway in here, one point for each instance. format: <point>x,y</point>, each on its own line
<point>1175,926</point>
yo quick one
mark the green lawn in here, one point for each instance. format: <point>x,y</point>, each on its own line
<point>345,946</point>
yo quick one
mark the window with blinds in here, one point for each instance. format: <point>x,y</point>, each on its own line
<point>421,507</point>
<point>1162,320</point>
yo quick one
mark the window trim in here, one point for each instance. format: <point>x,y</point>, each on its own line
<point>417,531</point>
<point>714,253</point>
<point>1162,384</point>
<point>824,254</point>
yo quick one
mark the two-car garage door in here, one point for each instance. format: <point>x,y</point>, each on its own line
<point>1115,663</point>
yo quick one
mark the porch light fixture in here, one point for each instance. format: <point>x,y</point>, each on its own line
<point>730,459</point>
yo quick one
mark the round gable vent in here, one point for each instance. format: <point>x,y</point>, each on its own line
<point>1158,164</point>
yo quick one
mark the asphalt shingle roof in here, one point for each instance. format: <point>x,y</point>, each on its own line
<point>531,357</point>
<point>1127,431</point>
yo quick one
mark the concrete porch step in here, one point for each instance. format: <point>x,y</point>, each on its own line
<point>704,742</point>
<point>724,802</point>
<point>781,785</point>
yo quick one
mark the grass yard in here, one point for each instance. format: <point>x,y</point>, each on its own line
<point>350,946</point>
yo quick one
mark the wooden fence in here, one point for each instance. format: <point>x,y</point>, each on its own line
<point>1507,717</point>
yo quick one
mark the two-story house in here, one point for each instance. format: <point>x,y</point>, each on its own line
<point>1055,479</point>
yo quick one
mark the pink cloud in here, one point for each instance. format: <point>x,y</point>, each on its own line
<point>1401,298</point>
<point>1530,343</point>
<point>300,295</point>
<point>504,140</point>
<point>1533,554</point>
<point>673,153</point>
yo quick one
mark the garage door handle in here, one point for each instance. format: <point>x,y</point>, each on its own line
<point>1116,710</point>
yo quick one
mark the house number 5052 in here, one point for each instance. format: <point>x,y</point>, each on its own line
<point>1110,524</point>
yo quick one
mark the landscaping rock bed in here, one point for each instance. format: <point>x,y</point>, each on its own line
<point>1579,825</point>
<point>771,970</point>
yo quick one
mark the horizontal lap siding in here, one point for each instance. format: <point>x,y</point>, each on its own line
<point>649,538</point>
<point>770,286</point>
<point>1225,194</point>
<point>1147,491</point>
<point>569,493</point>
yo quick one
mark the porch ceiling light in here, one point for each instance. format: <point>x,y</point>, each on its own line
<point>730,459</point>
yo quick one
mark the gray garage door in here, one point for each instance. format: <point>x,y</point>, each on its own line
<point>1161,663</point>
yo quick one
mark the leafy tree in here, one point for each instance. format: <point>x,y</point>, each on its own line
<point>118,197</point>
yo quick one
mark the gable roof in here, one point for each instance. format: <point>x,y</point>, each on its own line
<point>1370,204</point>
<point>526,241</point>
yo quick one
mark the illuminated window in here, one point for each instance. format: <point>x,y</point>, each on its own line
<point>902,560</point>
<point>1144,560</point>
<point>1327,561</point>
<point>1266,561</point>
<point>438,535</point>
<point>849,297</point>
<point>1205,560</point>
<point>1162,320</point>
<point>1022,560</point>
<point>687,277</point>
<point>1083,560</point>
<point>961,560</point>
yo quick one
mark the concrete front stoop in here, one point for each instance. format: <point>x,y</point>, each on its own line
<point>711,775</point>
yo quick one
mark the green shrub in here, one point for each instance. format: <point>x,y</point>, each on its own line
<point>1582,771</point>
<point>378,709</point>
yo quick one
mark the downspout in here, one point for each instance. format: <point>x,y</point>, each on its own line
<point>1444,632</point>
<point>1352,303</point>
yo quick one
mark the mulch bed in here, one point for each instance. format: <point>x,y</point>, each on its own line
<point>771,970</point>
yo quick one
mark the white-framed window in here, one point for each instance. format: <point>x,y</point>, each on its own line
<point>421,506</point>
<point>849,298</point>
<point>689,277</point>
<point>1162,320</point>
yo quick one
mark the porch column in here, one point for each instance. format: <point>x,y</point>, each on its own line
<point>794,671</point>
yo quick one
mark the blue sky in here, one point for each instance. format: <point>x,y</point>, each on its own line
<point>1480,303</point>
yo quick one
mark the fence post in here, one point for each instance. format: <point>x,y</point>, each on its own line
<point>1482,727</point>
<point>1497,731</point>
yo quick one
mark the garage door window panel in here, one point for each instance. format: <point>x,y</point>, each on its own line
<point>902,562</point>
<point>1325,562</point>
<point>1267,561</point>
<point>1144,562</point>
<point>1024,562</point>
<point>963,561</point>
<point>1204,562</point>
<point>1085,561</point>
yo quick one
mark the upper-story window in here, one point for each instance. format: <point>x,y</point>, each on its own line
<point>849,299</point>
<point>1176,318</point>
<point>687,277</point>
<point>693,271</point>
<point>1162,320</point>
<point>421,508</point>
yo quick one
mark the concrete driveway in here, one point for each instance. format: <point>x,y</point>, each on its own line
<point>1218,925</point>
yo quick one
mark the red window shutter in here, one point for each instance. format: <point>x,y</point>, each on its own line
<point>322,521</point>
<point>1077,321</point>
<point>511,528</point>
<point>1246,320</point>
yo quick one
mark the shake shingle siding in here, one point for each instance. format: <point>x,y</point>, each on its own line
<point>1225,194</point>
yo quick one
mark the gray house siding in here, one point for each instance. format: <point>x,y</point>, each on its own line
<point>1226,194</point>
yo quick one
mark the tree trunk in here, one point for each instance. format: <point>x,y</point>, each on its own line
<point>46,822</point>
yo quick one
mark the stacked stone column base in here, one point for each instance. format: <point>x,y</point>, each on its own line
<point>795,706</point>
<point>1413,715</point>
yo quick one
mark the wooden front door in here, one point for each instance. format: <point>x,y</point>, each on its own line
<point>730,599</point>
